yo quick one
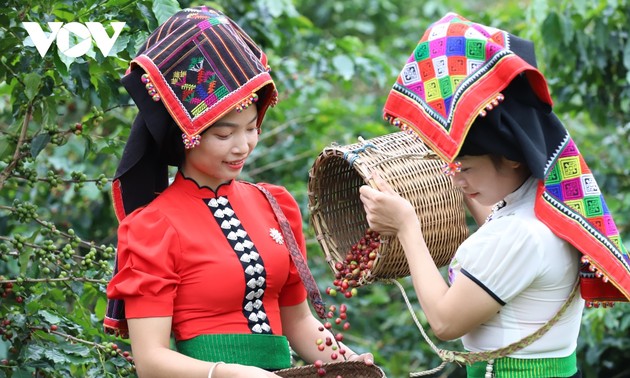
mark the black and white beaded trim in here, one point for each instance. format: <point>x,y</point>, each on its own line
<point>253,266</point>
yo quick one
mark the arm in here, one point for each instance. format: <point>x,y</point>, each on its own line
<point>302,330</point>
<point>150,343</point>
<point>451,311</point>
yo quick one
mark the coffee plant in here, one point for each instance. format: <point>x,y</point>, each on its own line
<point>62,127</point>
<point>64,121</point>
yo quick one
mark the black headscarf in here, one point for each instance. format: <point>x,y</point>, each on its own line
<point>522,128</point>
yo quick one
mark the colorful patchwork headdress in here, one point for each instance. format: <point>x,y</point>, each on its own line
<point>196,67</point>
<point>469,89</point>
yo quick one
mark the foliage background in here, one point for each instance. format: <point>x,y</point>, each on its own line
<point>63,123</point>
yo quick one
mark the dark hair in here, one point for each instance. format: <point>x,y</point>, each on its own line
<point>497,162</point>
<point>173,147</point>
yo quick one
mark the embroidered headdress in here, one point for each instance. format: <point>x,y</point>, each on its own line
<point>472,89</point>
<point>196,67</point>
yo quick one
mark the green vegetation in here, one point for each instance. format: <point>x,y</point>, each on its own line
<point>64,121</point>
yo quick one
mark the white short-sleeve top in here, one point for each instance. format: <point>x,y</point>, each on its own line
<point>529,271</point>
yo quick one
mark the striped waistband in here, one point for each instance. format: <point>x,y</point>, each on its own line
<point>269,352</point>
<point>508,367</point>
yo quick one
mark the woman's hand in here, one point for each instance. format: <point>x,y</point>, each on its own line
<point>386,211</point>
<point>368,358</point>
<point>241,371</point>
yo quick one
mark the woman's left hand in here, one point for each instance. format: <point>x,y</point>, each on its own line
<point>368,358</point>
<point>386,211</point>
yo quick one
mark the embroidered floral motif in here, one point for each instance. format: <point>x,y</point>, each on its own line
<point>276,236</point>
<point>199,86</point>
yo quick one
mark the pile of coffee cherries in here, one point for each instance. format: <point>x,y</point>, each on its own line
<point>357,264</point>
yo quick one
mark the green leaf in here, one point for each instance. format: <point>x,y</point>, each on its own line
<point>66,60</point>
<point>60,64</point>
<point>163,9</point>
<point>344,66</point>
<point>21,373</point>
<point>100,308</point>
<point>4,148</point>
<point>77,349</point>
<point>39,143</point>
<point>55,356</point>
<point>34,352</point>
<point>119,45</point>
<point>31,81</point>
<point>147,16</point>
<point>626,57</point>
<point>50,318</point>
<point>89,146</point>
<point>24,259</point>
<point>274,7</point>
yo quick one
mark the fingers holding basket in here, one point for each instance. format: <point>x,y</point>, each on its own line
<point>386,211</point>
<point>367,358</point>
<point>380,183</point>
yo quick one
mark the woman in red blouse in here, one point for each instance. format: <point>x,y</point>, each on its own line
<point>204,258</point>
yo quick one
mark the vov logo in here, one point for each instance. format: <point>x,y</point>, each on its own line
<point>83,33</point>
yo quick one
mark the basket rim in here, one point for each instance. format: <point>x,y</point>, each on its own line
<point>358,364</point>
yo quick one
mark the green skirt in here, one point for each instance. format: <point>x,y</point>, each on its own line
<point>268,352</point>
<point>508,367</point>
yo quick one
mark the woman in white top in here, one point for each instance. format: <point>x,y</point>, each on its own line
<point>473,94</point>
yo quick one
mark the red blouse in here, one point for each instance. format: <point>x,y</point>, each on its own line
<point>215,262</point>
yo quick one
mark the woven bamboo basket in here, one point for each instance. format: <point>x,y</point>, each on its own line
<point>346,369</point>
<point>414,171</point>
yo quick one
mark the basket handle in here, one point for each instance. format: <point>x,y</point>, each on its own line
<point>352,155</point>
<point>304,272</point>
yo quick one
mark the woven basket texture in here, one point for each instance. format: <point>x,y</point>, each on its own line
<point>346,369</point>
<point>414,171</point>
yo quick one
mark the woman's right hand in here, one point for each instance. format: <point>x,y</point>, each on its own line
<point>386,211</point>
<point>240,371</point>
